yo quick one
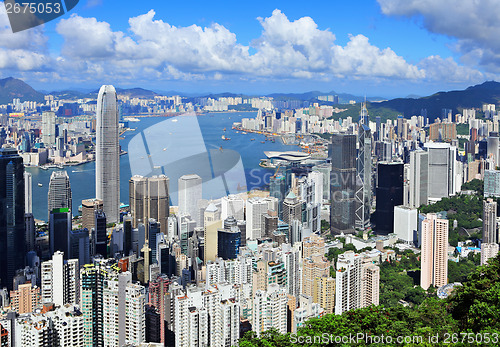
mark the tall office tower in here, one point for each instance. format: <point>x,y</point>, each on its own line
<point>343,183</point>
<point>228,243</point>
<point>124,311</point>
<point>89,206</point>
<point>59,191</point>
<point>419,171</point>
<point>149,198</point>
<point>48,128</point>
<point>59,229</point>
<point>60,280</point>
<point>153,234</point>
<point>389,194</point>
<point>270,223</point>
<point>255,210</point>
<point>232,205</point>
<point>493,148</point>
<point>490,233</point>
<point>434,252</point>
<point>127,235</point>
<point>28,193</point>
<point>442,170</point>
<point>29,231</point>
<point>79,246</point>
<point>406,223</point>
<point>158,288</point>
<point>107,153</point>
<point>190,192</point>
<point>270,310</point>
<point>488,251</point>
<point>363,115</point>
<point>100,237</point>
<point>278,189</point>
<point>25,299</point>
<point>313,267</point>
<point>292,208</point>
<point>11,215</point>
<point>325,170</point>
<point>364,177</point>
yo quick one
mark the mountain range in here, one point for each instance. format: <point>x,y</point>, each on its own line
<point>474,96</point>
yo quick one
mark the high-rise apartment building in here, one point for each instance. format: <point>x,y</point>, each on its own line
<point>158,288</point>
<point>60,280</point>
<point>59,191</point>
<point>364,177</point>
<point>48,128</point>
<point>488,251</point>
<point>190,192</point>
<point>418,177</point>
<point>124,311</point>
<point>12,248</point>
<point>434,268</point>
<point>490,233</point>
<point>107,153</point>
<point>270,310</point>
<point>313,267</point>
<point>492,183</point>
<point>357,283</point>
<point>25,299</point>
<point>406,223</point>
<point>343,183</point>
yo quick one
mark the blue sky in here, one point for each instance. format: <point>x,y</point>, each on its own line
<point>373,47</point>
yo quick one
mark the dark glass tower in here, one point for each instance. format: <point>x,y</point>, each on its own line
<point>389,194</point>
<point>343,183</point>
<point>59,229</point>
<point>101,246</point>
<point>228,243</point>
<point>11,215</point>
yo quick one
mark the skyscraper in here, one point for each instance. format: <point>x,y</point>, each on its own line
<point>364,177</point>
<point>419,173</point>
<point>59,229</point>
<point>228,243</point>
<point>28,193</point>
<point>190,192</point>
<point>149,198</point>
<point>490,234</point>
<point>343,183</point>
<point>434,268</point>
<point>442,170</point>
<point>11,215</point>
<point>60,280</point>
<point>389,194</point>
<point>59,191</point>
<point>107,152</point>
<point>89,206</point>
<point>48,128</point>
<point>100,239</point>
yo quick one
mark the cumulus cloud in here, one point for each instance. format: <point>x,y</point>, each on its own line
<point>22,51</point>
<point>474,24</point>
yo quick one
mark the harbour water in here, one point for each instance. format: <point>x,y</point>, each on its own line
<point>212,126</point>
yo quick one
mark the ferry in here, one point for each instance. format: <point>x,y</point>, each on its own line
<point>40,185</point>
<point>131,119</point>
<point>244,133</point>
<point>226,138</point>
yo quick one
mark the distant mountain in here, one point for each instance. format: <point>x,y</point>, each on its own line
<point>12,88</point>
<point>475,96</point>
<point>137,93</point>
<point>313,95</point>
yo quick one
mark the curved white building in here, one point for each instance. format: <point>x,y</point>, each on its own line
<point>107,151</point>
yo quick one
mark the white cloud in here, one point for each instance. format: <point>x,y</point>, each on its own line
<point>474,24</point>
<point>24,50</point>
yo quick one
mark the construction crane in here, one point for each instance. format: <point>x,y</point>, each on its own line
<point>277,170</point>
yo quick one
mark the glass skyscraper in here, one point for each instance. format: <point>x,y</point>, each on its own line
<point>107,151</point>
<point>12,248</point>
<point>343,183</point>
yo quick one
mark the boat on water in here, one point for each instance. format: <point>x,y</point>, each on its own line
<point>40,185</point>
<point>175,120</point>
<point>262,141</point>
<point>244,133</point>
<point>252,139</point>
<point>131,119</point>
<point>224,129</point>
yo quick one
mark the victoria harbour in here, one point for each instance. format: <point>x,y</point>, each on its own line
<point>212,125</point>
